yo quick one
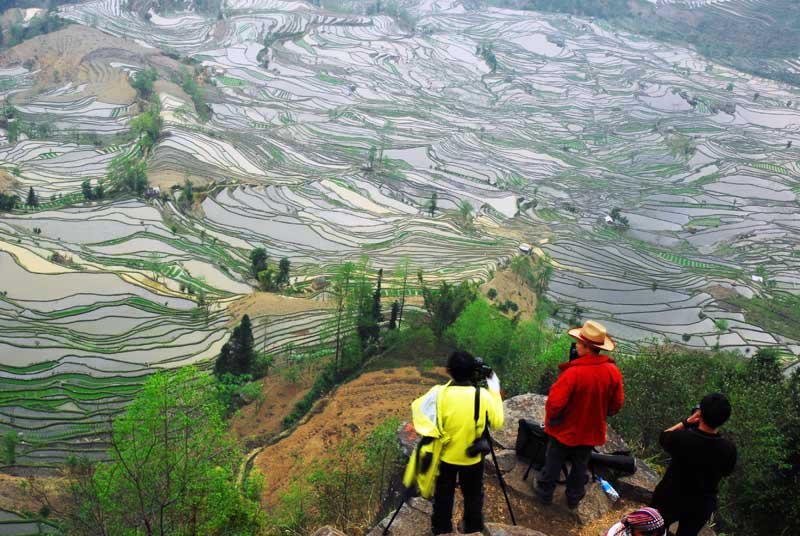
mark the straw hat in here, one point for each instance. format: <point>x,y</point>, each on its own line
<point>594,334</point>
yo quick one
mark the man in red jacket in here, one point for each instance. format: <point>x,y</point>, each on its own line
<point>588,390</point>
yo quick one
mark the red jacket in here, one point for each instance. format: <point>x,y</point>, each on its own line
<point>588,390</point>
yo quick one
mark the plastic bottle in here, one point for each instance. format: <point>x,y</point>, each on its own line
<point>609,489</point>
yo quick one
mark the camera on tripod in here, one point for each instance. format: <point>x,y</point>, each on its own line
<point>481,371</point>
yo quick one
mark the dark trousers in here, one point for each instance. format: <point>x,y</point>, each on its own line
<point>555,458</point>
<point>470,479</point>
<point>691,516</point>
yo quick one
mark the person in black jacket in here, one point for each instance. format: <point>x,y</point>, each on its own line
<point>700,458</point>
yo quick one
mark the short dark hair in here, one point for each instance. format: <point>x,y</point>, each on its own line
<point>460,365</point>
<point>715,409</point>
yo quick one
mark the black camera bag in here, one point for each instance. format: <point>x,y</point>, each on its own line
<point>531,442</point>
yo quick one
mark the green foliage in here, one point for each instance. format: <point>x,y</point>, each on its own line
<point>662,383</point>
<point>172,469</point>
<point>446,303</point>
<point>485,51</point>
<point>347,488</point>
<point>483,331</point>
<point>8,201</point>
<point>189,84</point>
<point>128,174</point>
<point>237,356</point>
<point>10,442</point>
<point>147,125</point>
<point>779,313</point>
<point>258,261</point>
<point>284,266</point>
<point>143,81</point>
<point>187,199</point>
<point>86,188</point>
<point>536,275</point>
<point>492,294</point>
<point>33,199</point>
<point>41,24</point>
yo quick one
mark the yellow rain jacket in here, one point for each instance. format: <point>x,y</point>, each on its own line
<point>444,417</point>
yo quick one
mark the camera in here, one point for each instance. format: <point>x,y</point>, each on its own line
<point>479,447</point>
<point>573,351</point>
<point>481,371</point>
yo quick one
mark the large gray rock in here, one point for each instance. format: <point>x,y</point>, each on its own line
<point>497,529</point>
<point>640,485</point>
<point>414,519</point>
<point>531,407</point>
<point>528,406</point>
<point>506,461</point>
<point>595,505</point>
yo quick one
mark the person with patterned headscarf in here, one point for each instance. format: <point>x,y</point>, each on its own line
<point>644,522</point>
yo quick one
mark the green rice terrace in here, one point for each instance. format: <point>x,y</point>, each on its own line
<point>322,134</point>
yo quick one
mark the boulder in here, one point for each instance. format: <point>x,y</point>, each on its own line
<point>329,531</point>
<point>528,406</point>
<point>531,407</point>
<point>414,519</point>
<point>595,505</point>
<point>640,485</point>
<point>497,529</point>
<point>506,461</point>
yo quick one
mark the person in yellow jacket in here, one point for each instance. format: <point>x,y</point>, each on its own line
<point>459,429</point>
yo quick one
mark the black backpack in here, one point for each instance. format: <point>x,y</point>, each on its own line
<point>531,444</point>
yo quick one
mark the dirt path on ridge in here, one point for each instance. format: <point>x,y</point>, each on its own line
<point>354,411</point>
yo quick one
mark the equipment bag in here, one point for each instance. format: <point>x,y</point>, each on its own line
<point>531,442</point>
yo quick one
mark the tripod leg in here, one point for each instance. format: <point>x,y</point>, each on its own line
<point>500,477</point>
<point>405,498</point>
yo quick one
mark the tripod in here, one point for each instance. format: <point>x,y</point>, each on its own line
<point>409,492</point>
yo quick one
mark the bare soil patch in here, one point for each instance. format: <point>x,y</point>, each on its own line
<point>6,180</point>
<point>353,411</point>
<point>167,178</point>
<point>267,303</point>
<point>280,396</point>
<point>510,287</point>
<point>14,499</point>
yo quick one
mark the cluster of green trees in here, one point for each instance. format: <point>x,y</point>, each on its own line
<point>238,365</point>
<point>663,382</point>
<point>188,82</point>
<point>485,51</point>
<point>8,201</point>
<point>89,193</point>
<point>41,24</point>
<point>143,82</point>
<point>172,469</point>
<point>146,127</point>
<point>129,173</point>
<point>269,278</point>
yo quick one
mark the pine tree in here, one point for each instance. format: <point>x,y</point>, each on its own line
<point>395,312</point>
<point>33,201</point>
<point>283,271</point>
<point>377,315</point>
<point>86,188</point>
<point>245,347</point>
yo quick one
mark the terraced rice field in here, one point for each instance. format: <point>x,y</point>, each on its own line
<point>576,116</point>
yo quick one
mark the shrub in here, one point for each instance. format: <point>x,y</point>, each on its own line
<point>661,385</point>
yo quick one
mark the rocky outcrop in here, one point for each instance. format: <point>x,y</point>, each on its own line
<point>637,487</point>
<point>414,519</point>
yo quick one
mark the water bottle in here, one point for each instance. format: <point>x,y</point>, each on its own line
<point>609,489</point>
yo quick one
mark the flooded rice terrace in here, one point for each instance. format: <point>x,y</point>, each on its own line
<point>329,142</point>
